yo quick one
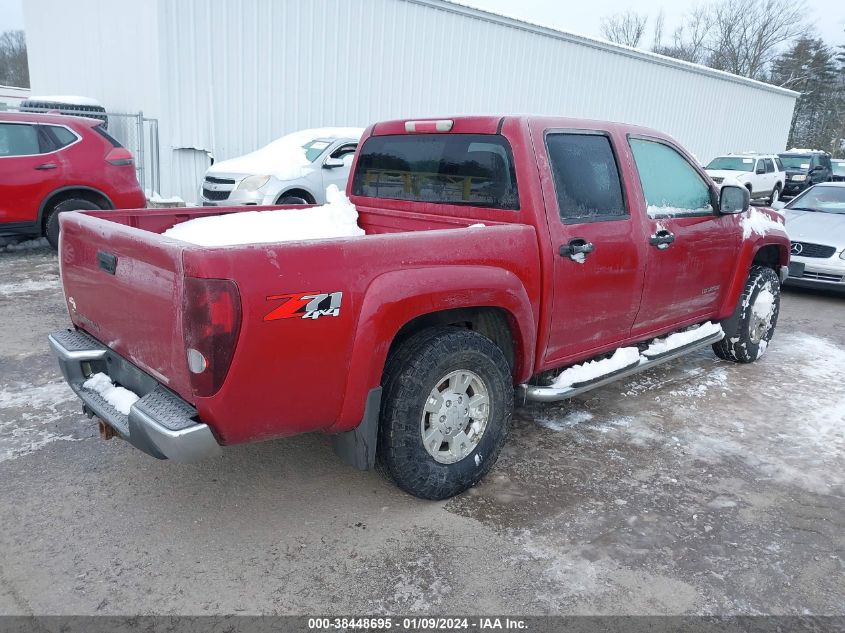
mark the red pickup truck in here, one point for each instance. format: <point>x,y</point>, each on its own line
<point>543,255</point>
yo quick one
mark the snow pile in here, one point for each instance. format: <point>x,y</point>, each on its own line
<point>284,158</point>
<point>156,198</point>
<point>679,339</point>
<point>337,218</point>
<point>585,372</point>
<point>67,100</point>
<point>27,245</point>
<point>118,397</point>
<point>759,223</point>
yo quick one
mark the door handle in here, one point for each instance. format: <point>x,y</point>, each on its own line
<point>46,166</point>
<point>662,239</point>
<point>575,247</point>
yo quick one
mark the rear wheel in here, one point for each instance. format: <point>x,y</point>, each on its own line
<point>775,195</point>
<point>51,224</point>
<point>752,325</point>
<point>448,398</point>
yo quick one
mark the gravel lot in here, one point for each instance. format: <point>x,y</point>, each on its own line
<point>699,487</point>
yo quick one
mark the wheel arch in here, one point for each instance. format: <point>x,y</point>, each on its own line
<point>65,193</point>
<point>772,254</point>
<point>299,191</point>
<point>489,300</point>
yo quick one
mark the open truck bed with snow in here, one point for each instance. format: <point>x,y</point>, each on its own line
<point>540,254</point>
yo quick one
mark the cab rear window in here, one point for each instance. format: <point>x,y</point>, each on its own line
<point>462,169</point>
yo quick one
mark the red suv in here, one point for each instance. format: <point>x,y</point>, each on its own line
<point>55,163</point>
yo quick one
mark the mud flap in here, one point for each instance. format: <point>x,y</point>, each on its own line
<point>358,446</point>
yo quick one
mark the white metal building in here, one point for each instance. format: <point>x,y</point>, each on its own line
<point>12,96</point>
<point>225,77</point>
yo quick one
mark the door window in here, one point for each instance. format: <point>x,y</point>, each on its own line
<point>770,166</point>
<point>586,177</point>
<point>18,140</point>
<point>672,187</point>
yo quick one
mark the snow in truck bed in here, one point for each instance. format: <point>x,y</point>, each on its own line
<point>336,218</point>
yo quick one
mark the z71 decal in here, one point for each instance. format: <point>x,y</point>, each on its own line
<point>310,305</point>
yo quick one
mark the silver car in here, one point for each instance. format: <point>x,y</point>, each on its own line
<point>815,221</point>
<point>295,169</point>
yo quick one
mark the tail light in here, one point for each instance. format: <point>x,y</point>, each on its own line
<point>119,156</point>
<point>211,320</point>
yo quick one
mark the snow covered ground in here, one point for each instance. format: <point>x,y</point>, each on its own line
<point>698,487</point>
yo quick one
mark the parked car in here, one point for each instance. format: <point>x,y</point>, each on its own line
<point>545,254</point>
<point>50,164</point>
<point>67,104</point>
<point>295,169</point>
<point>838,170</point>
<point>805,168</point>
<point>762,174</point>
<point>816,223</point>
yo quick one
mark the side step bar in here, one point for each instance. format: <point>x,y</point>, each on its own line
<point>536,393</point>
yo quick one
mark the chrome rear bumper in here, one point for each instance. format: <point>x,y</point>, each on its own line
<point>160,423</point>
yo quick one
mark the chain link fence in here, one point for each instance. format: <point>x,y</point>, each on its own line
<point>137,133</point>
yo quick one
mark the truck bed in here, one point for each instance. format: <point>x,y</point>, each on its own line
<point>136,308</point>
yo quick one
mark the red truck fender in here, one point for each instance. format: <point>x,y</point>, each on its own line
<point>769,248</point>
<point>396,298</point>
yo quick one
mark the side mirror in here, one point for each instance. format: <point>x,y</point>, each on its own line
<point>733,199</point>
<point>777,206</point>
<point>333,163</point>
<point>760,171</point>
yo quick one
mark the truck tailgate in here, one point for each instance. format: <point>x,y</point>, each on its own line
<point>124,287</point>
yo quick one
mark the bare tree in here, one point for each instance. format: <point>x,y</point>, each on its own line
<point>14,67</point>
<point>748,34</point>
<point>624,28</point>
<point>690,40</point>
<point>657,37</point>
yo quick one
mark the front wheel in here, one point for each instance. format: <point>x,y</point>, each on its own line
<point>288,200</point>
<point>752,325</point>
<point>448,398</point>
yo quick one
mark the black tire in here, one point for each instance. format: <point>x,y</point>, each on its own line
<point>292,200</point>
<point>747,334</point>
<point>412,372</point>
<point>51,223</point>
<point>775,196</point>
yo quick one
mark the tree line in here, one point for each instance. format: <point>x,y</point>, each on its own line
<point>766,40</point>
<point>14,69</point>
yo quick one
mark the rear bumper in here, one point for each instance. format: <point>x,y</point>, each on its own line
<point>160,423</point>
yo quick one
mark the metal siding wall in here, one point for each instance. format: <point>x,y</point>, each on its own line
<point>235,74</point>
<point>104,49</point>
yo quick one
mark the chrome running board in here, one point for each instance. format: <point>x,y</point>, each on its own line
<point>536,393</point>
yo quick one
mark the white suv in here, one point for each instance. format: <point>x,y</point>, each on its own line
<point>762,174</point>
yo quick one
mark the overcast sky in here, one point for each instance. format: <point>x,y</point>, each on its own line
<point>572,15</point>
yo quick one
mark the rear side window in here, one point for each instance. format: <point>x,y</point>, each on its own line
<point>99,129</point>
<point>19,140</point>
<point>770,166</point>
<point>670,184</point>
<point>61,135</point>
<point>586,177</point>
<point>462,169</point>
<point>778,164</point>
